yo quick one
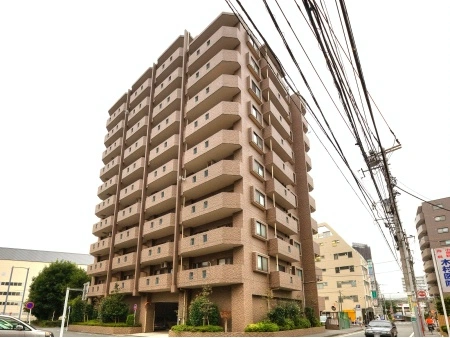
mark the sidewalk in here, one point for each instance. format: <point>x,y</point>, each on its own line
<point>334,333</point>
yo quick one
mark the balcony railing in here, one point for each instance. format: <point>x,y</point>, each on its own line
<point>169,84</point>
<point>428,266</point>
<point>133,171</point>
<point>161,201</point>
<point>282,171</point>
<point>157,254</point>
<point>168,65</point>
<point>208,242</point>
<point>137,130</point>
<point>156,283</point>
<point>280,194</point>
<point>164,152</point>
<point>310,182</point>
<point>106,207</point>
<point>112,151</point>
<point>103,227</point>
<point>110,169</point>
<point>421,231</point>
<point>101,247</point>
<point>108,188</point>
<point>124,262</point>
<point>98,269</point>
<point>312,204</point>
<point>166,128</point>
<point>126,238</point>
<point>271,92</point>
<point>128,215</point>
<point>114,133</point>
<point>420,219</point>
<point>159,227</point>
<point>115,117</point>
<point>167,106</point>
<point>426,254</point>
<point>123,286</point>
<point>282,221</point>
<point>285,281</point>
<point>277,143</point>
<point>141,92</point>
<point>96,290</point>
<point>284,250</point>
<point>131,193</point>
<point>139,111</point>
<point>211,209</point>
<point>216,275</point>
<point>162,176</point>
<point>273,117</point>
<point>424,242</point>
<point>135,151</point>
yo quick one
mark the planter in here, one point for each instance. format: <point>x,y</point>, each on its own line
<point>290,333</point>
<point>106,330</point>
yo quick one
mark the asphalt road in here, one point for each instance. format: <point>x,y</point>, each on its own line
<point>405,329</point>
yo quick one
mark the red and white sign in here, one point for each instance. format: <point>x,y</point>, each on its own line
<point>421,294</point>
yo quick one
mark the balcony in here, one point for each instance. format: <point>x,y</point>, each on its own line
<point>112,151</point>
<point>312,204</point>
<point>305,125</point>
<point>106,207</point>
<point>131,193</point>
<point>224,38</point>
<point>282,171</point>
<point>169,84</point>
<point>307,143</point>
<point>219,146</point>
<point>433,290</point>
<point>96,290</point>
<point>222,116</point>
<point>124,262</point>
<point>268,72</point>
<point>224,88</point>
<point>138,130</point>
<point>162,201</point>
<point>98,269</point>
<point>167,65</point>
<point>282,221</point>
<point>103,228</point>
<point>211,209</point>
<point>115,117</point>
<point>101,247</point>
<point>114,133</point>
<point>212,241</point>
<point>276,143</point>
<point>135,151</point>
<point>157,283</point>
<point>140,93</point>
<point>271,92</point>
<point>284,250</point>
<point>316,249</point>
<point>280,194</point>
<point>420,219</point>
<point>215,275</point>
<point>273,117</point>
<point>139,111</point>
<point>166,128</point>
<point>111,169</point>
<point>162,177</point>
<point>224,62</point>
<point>129,215</point>
<point>421,231</point>
<point>134,171</point>
<point>426,254</point>
<point>157,254</point>
<point>164,152</point>
<point>213,178</point>
<point>126,238</point>
<point>319,274</point>
<point>431,277</point>
<point>308,162</point>
<point>310,181</point>
<point>167,106</point>
<point>159,227</point>
<point>284,281</point>
<point>314,226</point>
<point>424,243</point>
<point>108,188</point>
<point>428,266</point>
<point>124,286</point>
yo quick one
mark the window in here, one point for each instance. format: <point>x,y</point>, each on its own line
<point>197,74</point>
<point>257,140</point>
<point>205,238</point>
<point>207,90</point>
<point>438,206</point>
<point>198,51</point>
<point>261,229</point>
<point>262,263</point>
<point>334,242</point>
<point>203,273</point>
<point>192,241</point>
<point>439,218</point>
<point>256,89</point>
<point>208,42</point>
<point>442,230</point>
<point>196,99</point>
<point>225,261</point>
<point>445,243</point>
<point>158,250</point>
<point>195,150</point>
<point>205,204</point>
<point>196,124</point>
<point>258,168</point>
<point>207,116</point>
<point>193,208</point>
<point>260,198</point>
<point>207,65</point>
<point>191,275</point>
<point>206,144</point>
<point>254,65</point>
<point>194,179</point>
<point>256,114</point>
<point>205,173</point>
<point>157,280</point>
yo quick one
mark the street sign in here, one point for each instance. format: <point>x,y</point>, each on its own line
<point>421,294</point>
<point>134,307</point>
<point>29,305</point>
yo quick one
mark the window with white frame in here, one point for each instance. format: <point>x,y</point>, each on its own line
<point>254,65</point>
<point>260,198</point>
<point>442,230</point>
<point>262,263</point>
<point>260,229</point>
<point>257,140</point>
<point>439,218</point>
<point>258,168</point>
<point>256,89</point>
<point>256,114</point>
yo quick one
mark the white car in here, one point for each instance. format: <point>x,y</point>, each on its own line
<point>13,327</point>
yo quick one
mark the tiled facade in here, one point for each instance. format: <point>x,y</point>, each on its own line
<point>432,225</point>
<point>206,183</point>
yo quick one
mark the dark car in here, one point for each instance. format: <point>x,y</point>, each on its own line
<point>13,327</point>
<point>381,328</point>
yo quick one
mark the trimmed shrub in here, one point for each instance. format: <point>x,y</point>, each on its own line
<point>262,327</point>
<point>288,325</point>
<point>277,315</point>
<point>130,320</point>
<point>304,323</point>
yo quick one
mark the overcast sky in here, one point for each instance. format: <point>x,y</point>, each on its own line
<point>65,63</point>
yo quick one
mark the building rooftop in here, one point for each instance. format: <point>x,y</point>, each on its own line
<point>27,255</point>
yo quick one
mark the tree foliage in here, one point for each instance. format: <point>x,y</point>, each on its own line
<point>112,308</point>
<point>439,307</point>
<point>80,310</point>
<point>202,311</point>
<point>48,288</point>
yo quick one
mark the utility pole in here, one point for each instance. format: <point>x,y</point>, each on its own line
<point>375,161</point>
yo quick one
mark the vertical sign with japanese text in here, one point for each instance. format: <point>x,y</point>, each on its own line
<point>443,267</point>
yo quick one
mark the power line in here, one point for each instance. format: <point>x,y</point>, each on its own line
<point>434,205</point>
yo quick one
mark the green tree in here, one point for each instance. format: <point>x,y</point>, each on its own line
<point>112,308</point>
<point>202,311</point>
<point>48,288</point>
<point>439,307</point>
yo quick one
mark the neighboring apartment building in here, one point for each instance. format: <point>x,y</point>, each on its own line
<point>20,266</point>
<point>432,224</point>
<point>345,281</point>
<point>365,251</point>
<point>421,283</point>
<point>206,183</point>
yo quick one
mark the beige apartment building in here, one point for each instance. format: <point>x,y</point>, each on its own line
<point>346,283</point>
<point>205,182</point>
<point>18,267</point>
<point>432,225</point>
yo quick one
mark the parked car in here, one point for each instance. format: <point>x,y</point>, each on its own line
<point>13,327</point>
<point>381,328</point>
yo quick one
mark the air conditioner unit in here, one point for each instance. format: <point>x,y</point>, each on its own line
<point>164,265</point>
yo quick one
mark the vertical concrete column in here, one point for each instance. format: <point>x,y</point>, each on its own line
<point>146,317</point>
<point>242,307</point>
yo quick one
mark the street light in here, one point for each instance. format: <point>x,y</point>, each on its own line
<point>24,289</point>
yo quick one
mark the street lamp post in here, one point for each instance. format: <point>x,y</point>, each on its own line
<point>9,285</point>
